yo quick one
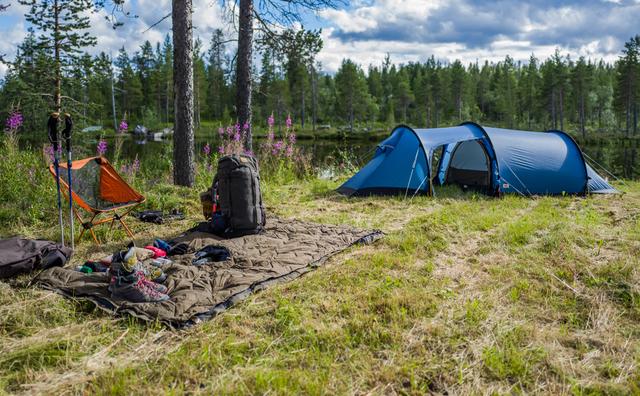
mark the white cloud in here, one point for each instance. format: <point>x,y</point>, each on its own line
<point>470,30</point>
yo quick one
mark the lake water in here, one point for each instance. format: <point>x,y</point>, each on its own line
<point>619,156</point>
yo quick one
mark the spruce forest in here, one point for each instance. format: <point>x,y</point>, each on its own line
<point>582,96</point>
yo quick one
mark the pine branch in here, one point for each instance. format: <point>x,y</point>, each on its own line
<point>158,22</point>
<point>3,7</point>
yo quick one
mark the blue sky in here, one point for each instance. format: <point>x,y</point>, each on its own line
<point>409,30</point>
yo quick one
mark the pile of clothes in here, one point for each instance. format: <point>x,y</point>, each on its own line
<point>138,273</point>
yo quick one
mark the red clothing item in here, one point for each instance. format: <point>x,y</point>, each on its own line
<point>156,251</point>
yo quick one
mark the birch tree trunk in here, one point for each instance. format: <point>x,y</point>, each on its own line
<point>183,140</point>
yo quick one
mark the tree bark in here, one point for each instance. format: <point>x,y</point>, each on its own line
<point>314,98</point>
<point>243,74</point>
<point>183,141</point>
<point>58,72</point>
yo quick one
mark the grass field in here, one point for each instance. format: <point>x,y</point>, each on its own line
<point>464,295</point>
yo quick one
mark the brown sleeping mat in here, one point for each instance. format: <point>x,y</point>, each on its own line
<point>284,251</point>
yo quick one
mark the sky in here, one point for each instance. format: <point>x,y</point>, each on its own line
<point>407,30</point>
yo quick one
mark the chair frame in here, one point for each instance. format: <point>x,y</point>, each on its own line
<point>112,213</point>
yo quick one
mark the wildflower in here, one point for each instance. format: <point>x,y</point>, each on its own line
<point>221,149</point>
<point>123,127</point>
<point>221,131</point>
<point>277,146</point>
<point>245,127</point>
<point>102,147</point>
<point>237,128</point>
<point>48,152</point>
<point>288,122</point>
<point>14,121</point>
<point>206,149</point>
<point>135,167</point>
<point>292,138</point>
<point>236,136</point>
<point>270,136</point>
<point>289,151</point>
<point>271,121</point>
<point>248,152</point>
<point>229,130</point>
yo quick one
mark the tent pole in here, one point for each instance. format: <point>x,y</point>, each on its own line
<point>413,167</point>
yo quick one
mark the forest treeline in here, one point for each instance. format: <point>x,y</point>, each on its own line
<point>577,95</point>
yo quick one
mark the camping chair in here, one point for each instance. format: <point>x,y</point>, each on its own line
<point>100,191</point>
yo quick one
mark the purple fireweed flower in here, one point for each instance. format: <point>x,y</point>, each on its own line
<point>221,131</point>
<point>123,127</point>
<point>271,121</point>
<point>101,149</point>
<point>49,153</point>
<point>135,167</point>
<point>221,149</point>
<point>229,130</point>
<point>292,138</point>
<point>237,128</point>
<point>245,126</point>
<point>14,121</point>
<point>288,122</point>
<point>289,151</point>
<point>277,146</point>
<point>270,136</point>
<point>248,152</point>
<point>206,149</point>
<point>236,136</point>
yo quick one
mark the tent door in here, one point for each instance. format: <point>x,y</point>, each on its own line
<point>470,166</point>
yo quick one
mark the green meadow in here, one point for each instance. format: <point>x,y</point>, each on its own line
<point>465,294</point>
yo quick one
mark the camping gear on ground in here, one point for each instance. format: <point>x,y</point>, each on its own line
<point>492,160</point>
<point>66,134</point>
<point>20,256</point>
<point>52,132</point>
<point>211,254</point>
<point>101,192</point>
<point>133,281</point>
<point>285,250</point>
<point>136,288</point>
<point>160,244</point>
<point>158,216</point>
<point>178,249</point>
<point>157,252</point>
<point>237,188</point>
<point>93,266</point>
<point>208,203</point>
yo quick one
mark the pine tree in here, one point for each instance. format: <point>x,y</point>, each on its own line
<point>352,96</point>
<point>581,79</point>
<point>183,141</point>
<point>216,85</point>
<point>628,83</point>
<point>62,25</point>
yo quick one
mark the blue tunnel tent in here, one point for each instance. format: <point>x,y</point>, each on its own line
<point>491,160</point>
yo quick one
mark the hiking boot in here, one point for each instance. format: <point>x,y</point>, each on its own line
<point>155,285</point>
<point>151,272</point>
<point>135,288</point>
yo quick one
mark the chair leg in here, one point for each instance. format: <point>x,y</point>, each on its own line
<point>95,238</point>
<point>126,228</point>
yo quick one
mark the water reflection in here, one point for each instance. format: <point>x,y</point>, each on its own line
<point>619,156</point>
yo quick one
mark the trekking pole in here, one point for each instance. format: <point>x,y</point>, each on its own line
<point>66,134</point>
<point>52,130</point>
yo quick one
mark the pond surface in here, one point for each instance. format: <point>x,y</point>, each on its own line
<point>618,156</point>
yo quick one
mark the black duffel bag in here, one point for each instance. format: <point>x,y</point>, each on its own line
<point>20,256</point>
<point>236,194</point>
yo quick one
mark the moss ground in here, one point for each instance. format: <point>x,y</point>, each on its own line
<point>464,295</point>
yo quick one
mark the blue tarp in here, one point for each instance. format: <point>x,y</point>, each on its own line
<point>521,162</point>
